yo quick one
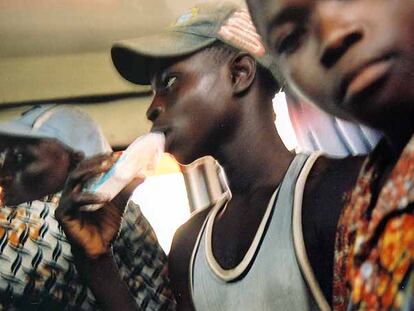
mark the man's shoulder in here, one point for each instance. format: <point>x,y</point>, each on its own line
<point>327,186</point>
<point>184,240</point>
<point>186,234</point>
<point>326,189</point>
<point>180,256</point>
<point>328,172</point>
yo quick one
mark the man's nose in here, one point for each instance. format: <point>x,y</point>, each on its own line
<point>155,110</point>
<point>338,30</point>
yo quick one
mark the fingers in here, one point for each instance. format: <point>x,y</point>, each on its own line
<point>86,198</point>
<point>69,206</point>
<point>72,195</point>
<point>122,198</point>
<point>103,159</point>
<point>89,168</point>
<point>129,189</point>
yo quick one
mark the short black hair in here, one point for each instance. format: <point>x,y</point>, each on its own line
<point>267,79</point>
<point>221,52</point>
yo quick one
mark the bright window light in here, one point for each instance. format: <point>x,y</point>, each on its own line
<point>283,124</point>
<point>163,201</point>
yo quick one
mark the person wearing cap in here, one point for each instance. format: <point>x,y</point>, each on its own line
<point>213,90</point>
<point>37,270</point>
<point>354,59</point>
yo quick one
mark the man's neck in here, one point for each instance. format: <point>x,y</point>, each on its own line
<point>256,156</point>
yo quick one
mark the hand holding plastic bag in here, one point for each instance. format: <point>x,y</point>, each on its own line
<point>92,232</point>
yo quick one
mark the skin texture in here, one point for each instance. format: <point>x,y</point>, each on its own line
<point>34,169</point>
<point>354,59</point>
<point>178,86</point>
<point>221,109</point>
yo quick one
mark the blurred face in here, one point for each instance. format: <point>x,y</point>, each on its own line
<point>191,105</point>
<point>354,59</point>
<point>32,170</point>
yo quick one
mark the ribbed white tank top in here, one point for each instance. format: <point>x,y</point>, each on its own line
<point>269,276</point>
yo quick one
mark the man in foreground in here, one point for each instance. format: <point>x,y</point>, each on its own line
<point>355,60</point>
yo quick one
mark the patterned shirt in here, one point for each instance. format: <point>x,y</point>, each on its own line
<point>375,238</point>
<point>37,270</point>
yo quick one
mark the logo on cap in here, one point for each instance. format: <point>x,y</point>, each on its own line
<point>239,31</point>
<point>186,16</point>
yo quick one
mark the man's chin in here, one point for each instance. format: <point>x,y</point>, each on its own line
<point>184,160</point>
<point>178,156</point>
<point>186,156</point>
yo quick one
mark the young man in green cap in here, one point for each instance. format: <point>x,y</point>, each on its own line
<point>213,93</point>
<point>355,60</point>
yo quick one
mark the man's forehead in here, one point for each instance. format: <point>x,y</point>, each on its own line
<point>266,12</point>
<point>164,65</point>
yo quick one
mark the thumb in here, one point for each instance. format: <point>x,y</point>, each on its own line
<point>122,198</point>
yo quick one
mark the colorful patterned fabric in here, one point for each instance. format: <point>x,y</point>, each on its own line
<point>374,255</point>
<point>37,270</point>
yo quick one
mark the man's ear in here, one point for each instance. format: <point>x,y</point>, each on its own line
<point>243,72</point>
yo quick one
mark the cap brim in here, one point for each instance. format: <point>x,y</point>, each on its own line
<point>13,130</point>
<point>132,58</point>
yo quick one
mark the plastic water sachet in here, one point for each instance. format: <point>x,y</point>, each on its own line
<point>137,161</point>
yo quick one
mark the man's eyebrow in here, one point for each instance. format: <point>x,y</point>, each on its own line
<point>159,74</point>
<point>289,14</point>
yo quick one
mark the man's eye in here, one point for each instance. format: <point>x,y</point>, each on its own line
<point>290,42</point>
<point>169,82</point>
<point>18,159</point>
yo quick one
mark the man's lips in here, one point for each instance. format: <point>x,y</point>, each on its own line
<point>161,129</point>
<point>365,76</point>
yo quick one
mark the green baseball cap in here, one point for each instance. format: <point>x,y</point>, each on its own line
<point>195,29</point>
